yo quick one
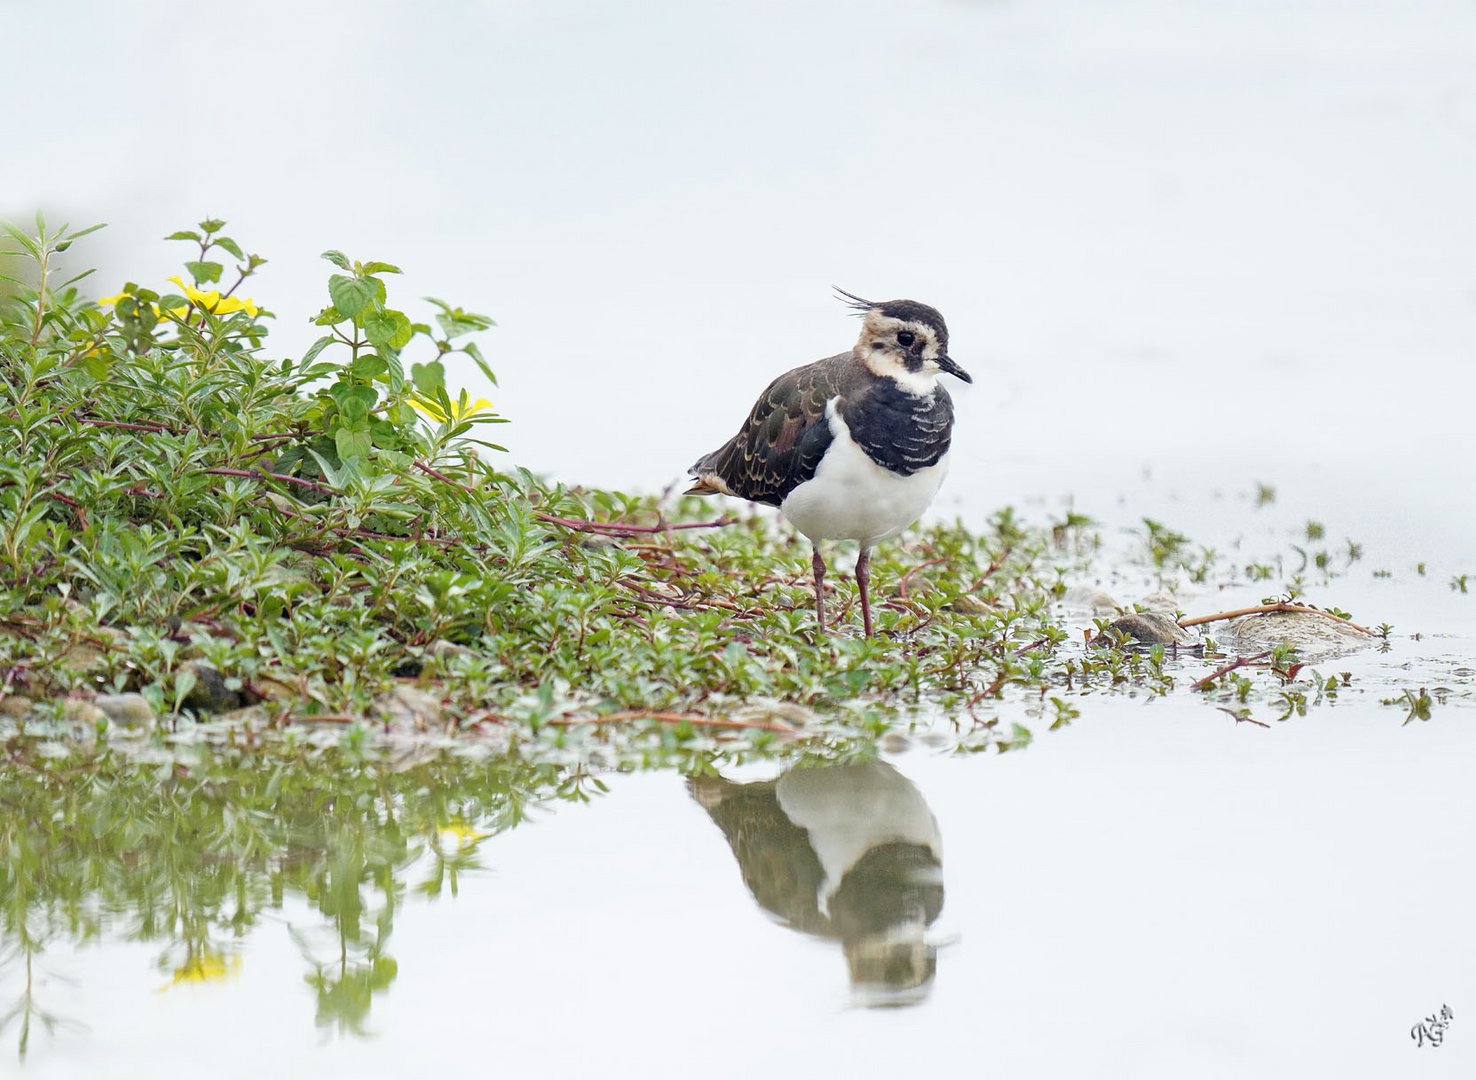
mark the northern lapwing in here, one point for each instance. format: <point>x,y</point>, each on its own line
<point>846,852</point>
<point>852,447</point>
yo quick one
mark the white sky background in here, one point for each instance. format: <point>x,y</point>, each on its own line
<point>1238,236</point>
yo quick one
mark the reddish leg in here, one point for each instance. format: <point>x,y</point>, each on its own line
<point>863,579</point>
<point>819,564</point>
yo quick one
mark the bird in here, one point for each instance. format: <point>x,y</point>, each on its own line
<point>852,447</point>
<point>849,852</point>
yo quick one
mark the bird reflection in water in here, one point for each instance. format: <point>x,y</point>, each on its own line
<point>847,852</point>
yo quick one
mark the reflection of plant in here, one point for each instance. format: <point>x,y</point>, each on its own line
<point>181,852</point>
<point>190,852</point>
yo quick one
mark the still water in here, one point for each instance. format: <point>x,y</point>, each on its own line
<point>1152,891</point>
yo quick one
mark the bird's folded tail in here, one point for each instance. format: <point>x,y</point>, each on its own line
<point>708,481</point>
<point>708,484</point>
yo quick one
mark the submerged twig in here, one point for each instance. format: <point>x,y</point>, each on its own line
<point>1238,663</point>
<point>1267,609</point>
<point>673,718</point>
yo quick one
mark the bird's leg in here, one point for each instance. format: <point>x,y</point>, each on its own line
<point>863,580</point>
<point>819,564</point>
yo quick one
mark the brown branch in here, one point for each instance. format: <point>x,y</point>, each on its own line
<point>1266,609</point>
<point>77,508</point>
<point>651,596</point>
<point>443,478</point>
<point>907,577</point>
<point>989,571</point>
<point>343,532</point>
<point>673,718</point>
<point>1240,662</point>
<point>126,424</point>
<point>1246,719</point>
<point>262,474</point>
<point>617,528</point>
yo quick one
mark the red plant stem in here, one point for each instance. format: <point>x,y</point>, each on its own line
<point>672,718</point>
<point>907,577</point>
<point>443,478</point>
<point>262,474</point>
<point>616,528</point>
<point>1239,663</point>
<point>126,424</point>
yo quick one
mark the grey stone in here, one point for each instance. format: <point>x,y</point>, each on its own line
<point>129,710</point>
<point>1148,628</point>
<point>1311,635</point>
<point>447,649</point>
<point>408,706</point>
<point>210,692</point>
<point>1090,598</point>
<point>82,712</point>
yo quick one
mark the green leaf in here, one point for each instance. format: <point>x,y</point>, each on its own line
<point>32,248</point>
<point>354,412</point>
<point>350,294</point>
<point>184,234</point>
<point>353,442</point>
<point>369,367</point>
<point>211,225</point>
<point>429,378</point>
<point>329,316</point>
<point>338,259</point>
<point>316,347</point>
<point>80,233</point>
<point>385,435</point>
<point>388,328</point>
<point>470,348</point>
<point>204,271</point>
<point>358,399</point>
<point>381,268</point>
<point>455,321</point>
<point>231,246</point>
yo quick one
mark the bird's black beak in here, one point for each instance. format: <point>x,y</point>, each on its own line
<point>946,363</point>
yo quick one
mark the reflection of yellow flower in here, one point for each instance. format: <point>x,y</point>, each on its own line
<point>209,967</point>
<point>461,409</point>
<point>211,301</point>
<point>459,830</point>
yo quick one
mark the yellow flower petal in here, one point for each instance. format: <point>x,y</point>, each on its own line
<point>212,967</point>
<point>427,407</point>
<point>461,409</point>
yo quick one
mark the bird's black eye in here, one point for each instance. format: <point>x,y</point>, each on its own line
<point>905,338</point>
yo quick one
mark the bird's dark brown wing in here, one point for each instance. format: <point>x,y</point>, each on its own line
<point>781,443</point>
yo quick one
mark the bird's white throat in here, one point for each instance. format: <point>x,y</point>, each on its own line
<point>889,365</point>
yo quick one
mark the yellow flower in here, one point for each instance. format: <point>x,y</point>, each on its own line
<point>208,967</point>
<point>214,303</point>
<point>460,831</point>
<point>461,409</point>
<point>211,301</point>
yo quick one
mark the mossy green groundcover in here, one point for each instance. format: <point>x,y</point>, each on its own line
<point>200,535</point>
<point>231,534</point>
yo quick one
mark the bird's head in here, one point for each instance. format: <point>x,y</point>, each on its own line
<point>905,341</point>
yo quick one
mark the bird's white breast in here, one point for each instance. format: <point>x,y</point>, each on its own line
<point>851,497</point>
<point>850,809</point>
